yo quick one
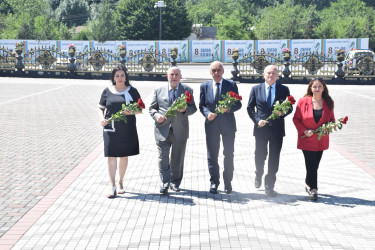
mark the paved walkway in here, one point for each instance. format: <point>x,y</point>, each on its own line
<point>53,179</point>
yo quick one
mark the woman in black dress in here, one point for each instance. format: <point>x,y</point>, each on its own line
<point>120,138</point>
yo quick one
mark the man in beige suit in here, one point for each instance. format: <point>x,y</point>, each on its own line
<point>171,132</point>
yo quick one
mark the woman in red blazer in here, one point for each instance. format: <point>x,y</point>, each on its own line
<point>313,110</point>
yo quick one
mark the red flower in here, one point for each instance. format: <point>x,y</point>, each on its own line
<point>141,104</point>
<point>291,100</point>
<point>345,120</point>
<point>188,97</point>
<point>232,94</point>
<point>238,97</point>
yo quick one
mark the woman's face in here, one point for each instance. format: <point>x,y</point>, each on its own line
<point>317,88</point>
<point>119,77</point>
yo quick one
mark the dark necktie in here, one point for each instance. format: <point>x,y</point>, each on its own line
<point>173,95</point>
<point>217,94</point>
<point>269,97</point>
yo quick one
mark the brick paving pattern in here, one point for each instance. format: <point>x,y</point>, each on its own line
<point>53,179</point>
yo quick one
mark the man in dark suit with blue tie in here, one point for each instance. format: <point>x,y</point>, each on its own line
<point>267,133</point>
<point>223,124</point>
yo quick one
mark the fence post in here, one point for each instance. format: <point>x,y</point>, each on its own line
<point>173,55</point>
<point>122,55</point>
<point>19,65</point>
<point>235,70</point>
<point>286,56</point>
<point>340,57</point>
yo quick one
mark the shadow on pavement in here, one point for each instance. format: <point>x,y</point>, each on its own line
<point>344,201</point>
<point>186,198</point>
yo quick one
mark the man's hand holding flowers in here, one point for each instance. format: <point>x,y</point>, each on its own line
<point>178,106</point>
<point>327,128</point>
<point>229,100</point>
<point>279,110</point>
<point>131,109</point>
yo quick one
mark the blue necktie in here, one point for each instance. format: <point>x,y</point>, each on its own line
<point>269,97</point>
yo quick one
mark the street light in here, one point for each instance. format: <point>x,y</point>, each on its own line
<point>160,4</point>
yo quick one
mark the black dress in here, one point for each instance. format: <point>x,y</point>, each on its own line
<point>120,138</point>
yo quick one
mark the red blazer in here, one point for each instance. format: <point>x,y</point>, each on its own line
<point>304,120</point>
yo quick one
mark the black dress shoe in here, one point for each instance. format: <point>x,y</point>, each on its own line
<point>271,192</point>
<point>213,188</point>
<point>164,190</point>
<point>175,188</point>
<point>258,182</point>
<point>228,188</point>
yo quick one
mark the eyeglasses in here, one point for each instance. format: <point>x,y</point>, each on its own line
<point>317,78</point>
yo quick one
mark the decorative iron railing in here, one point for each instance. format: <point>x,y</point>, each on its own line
<point>98,63</point>
<point>306,66</point>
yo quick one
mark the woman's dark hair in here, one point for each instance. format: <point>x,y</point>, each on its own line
<point>325,95</point>
<point>127,83</point>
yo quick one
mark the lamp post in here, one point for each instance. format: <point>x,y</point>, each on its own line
<point>160,4</point>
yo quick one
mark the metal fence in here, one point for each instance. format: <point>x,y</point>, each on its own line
<point>93,64</point>
<point>153,65</point>
<point>250,68</point>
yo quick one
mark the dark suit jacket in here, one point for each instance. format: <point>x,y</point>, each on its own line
<point>258,109</point>
<point>180,123</point>
<point>207,105</point>
<point>304,120</point>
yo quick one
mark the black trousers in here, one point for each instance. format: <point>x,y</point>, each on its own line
<point>312,160</point>
<point>261,151</point>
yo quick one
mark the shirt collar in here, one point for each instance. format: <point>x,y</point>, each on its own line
<point>170,88</point>
<point>267,85</point>
<point>214,83</point>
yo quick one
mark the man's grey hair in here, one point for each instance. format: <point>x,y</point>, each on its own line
<point>269,66</point>
<point>174,68</point>
<point>217,62</point>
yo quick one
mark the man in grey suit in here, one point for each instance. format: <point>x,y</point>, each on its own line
<point>223,124</point>
<point>171,132</point>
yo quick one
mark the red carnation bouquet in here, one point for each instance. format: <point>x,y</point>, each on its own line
<point>229,100</point>
<point>132,107</point>
<point>179,104</point>
<point>283,107</point>
<point>329,127</point>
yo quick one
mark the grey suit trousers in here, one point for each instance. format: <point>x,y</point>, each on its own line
<point>171,169</point>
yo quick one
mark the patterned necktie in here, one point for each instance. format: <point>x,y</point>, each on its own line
<point>173,95</point>
<point>269,97</point>
<point>217,94</point>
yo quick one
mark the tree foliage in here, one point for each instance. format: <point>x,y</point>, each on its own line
<point>283,21</point>
<point>73,12</point>
<point>139,20</point>
<point>102,26</point>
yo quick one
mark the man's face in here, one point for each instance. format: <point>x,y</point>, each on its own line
<point>174,77</point>
<point>270,75</point>
<point>217,71</point>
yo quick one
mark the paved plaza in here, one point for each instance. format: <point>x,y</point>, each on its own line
<point>54,179</point>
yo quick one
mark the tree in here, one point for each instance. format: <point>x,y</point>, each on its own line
<point>102,27</point>
<point>54,4</point>
<point>312,20</point>
<point>343,19</point>
<point>73,12</point>
<point>138,20</point>
<point>230,27</point>
<point>284,21</point>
